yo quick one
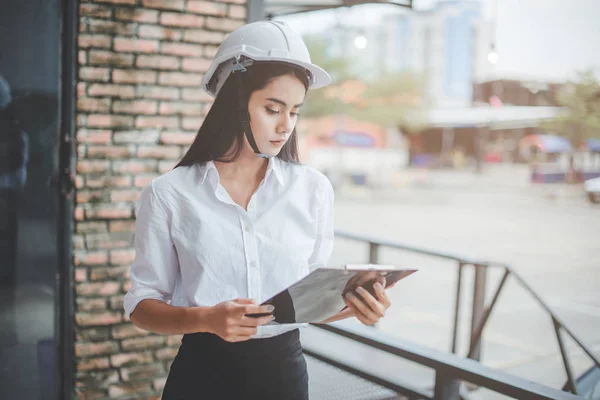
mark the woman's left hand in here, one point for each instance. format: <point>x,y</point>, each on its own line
<point>370,308</point>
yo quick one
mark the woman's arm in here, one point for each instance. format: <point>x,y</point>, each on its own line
<point>158,317</point>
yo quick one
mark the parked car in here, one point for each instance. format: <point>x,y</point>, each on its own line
<point>592,188</point>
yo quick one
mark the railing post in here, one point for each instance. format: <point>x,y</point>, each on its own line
<point>373,253</point>
<point>446,387</point>
<point>479,283</point>
<point>457,306</point>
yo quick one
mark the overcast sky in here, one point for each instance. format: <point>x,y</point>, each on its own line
<point>536,39</point>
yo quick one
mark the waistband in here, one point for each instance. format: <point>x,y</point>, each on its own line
<point>208,342</point>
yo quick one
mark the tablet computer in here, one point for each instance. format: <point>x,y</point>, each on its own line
<point>320,294</point>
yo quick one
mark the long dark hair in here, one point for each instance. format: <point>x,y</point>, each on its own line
<point>221,128</point>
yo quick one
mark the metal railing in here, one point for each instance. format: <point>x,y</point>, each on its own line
<point>449,369</point>
<point>480,311</point>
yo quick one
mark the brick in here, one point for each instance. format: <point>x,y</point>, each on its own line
<point>129,388</point>
<point>195,94</point>
<point>93,334</point>
<point>93,105</point>
<point>94,319</point>
<point>159,32</point>
<point>118,196</point>
<point>134,166</point>
<point>170,108</point>
<point>180,79</point>
<point>203,36</point>
<point>143,343</point>
<point>82,57</point>
<point>210,51</point>
<point>108,211</point>
<point>181,49</point>
<point>122,226</point>
<point>109,152</point>
<point>179,138</point>
<point>178,5</point>
<point>159,152</point>
<point>111,27</point>
<point>86,304</point>
<point>120,257</point>
<point>93,136</point>
<point>135,107</point>
<point>133,76</point>
<point>143,136</point>
<point>91,41</point>
<point>98,289</point>
<point>189,123</point>
<point>108,273</point>
<point>98,379</point>
<point>79,181</point>
<point>81,275</point>
<point>94,74</point>
<point>223,24</point>
<point>156,122</point>
<point>130,2</point>
<point>96,349</point>
<point>207,8</point>
<point>144,180</point>
<point>196,64</point>
<point>89,196</point>
<point>166,353</point>
<point>91,227</point>
<point>159,383</point>
<point>142,372</point>
<point>128,359</point>
<point>93,10</point>
<point>109,121</point>
<point>79,213</point>
<point>158,92</point>
<point>81,120</point>
<point>238,12</point>
<point>166,166</point>
<point>91,166</point>
<point>127,331</point>
<point>81,89</point>
<point>122,91</point>
<point>116,240</point>
<point>99,57</point>
<point>78,240</point>
<point>93,363</point>
<point>158,62</point>
<point>136,15</point>
<point>135,45</point>
<point>174,340</point>
<point>104,181</point>
<point>181,20</point>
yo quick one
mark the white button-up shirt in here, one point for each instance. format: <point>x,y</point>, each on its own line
<point>196,247</point>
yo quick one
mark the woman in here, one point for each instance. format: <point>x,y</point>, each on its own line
<point>237,218</point>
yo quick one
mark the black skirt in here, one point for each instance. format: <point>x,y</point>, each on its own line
<point>207,367</point>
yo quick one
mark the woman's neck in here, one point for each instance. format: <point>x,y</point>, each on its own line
<point>248,168</point>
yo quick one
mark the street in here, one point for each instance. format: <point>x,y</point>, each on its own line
<point>549,234</point>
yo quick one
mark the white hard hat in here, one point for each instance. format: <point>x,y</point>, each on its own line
<point>262,41</point>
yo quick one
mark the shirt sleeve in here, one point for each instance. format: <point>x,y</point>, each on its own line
<point>325,228</point>
<point>156,266</point>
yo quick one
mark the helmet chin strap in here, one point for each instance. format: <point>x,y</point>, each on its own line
<point>243,113</point>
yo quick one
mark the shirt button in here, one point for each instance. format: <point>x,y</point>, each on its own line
<point>252,264</point>
<point>248,229</point>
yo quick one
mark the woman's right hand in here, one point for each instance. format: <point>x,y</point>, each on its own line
<point>230,322</point>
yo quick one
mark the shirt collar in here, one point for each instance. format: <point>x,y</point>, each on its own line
<point>274,167</point>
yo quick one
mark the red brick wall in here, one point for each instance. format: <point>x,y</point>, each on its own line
<point>139,105</point>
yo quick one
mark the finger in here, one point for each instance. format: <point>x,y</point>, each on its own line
<point>362,307</point>
<point>371,302</point>
<point>256,309</point>
<point>245,301</point>
<point>254,322</point>
<point>359,315</point>
<point>382,296</point>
